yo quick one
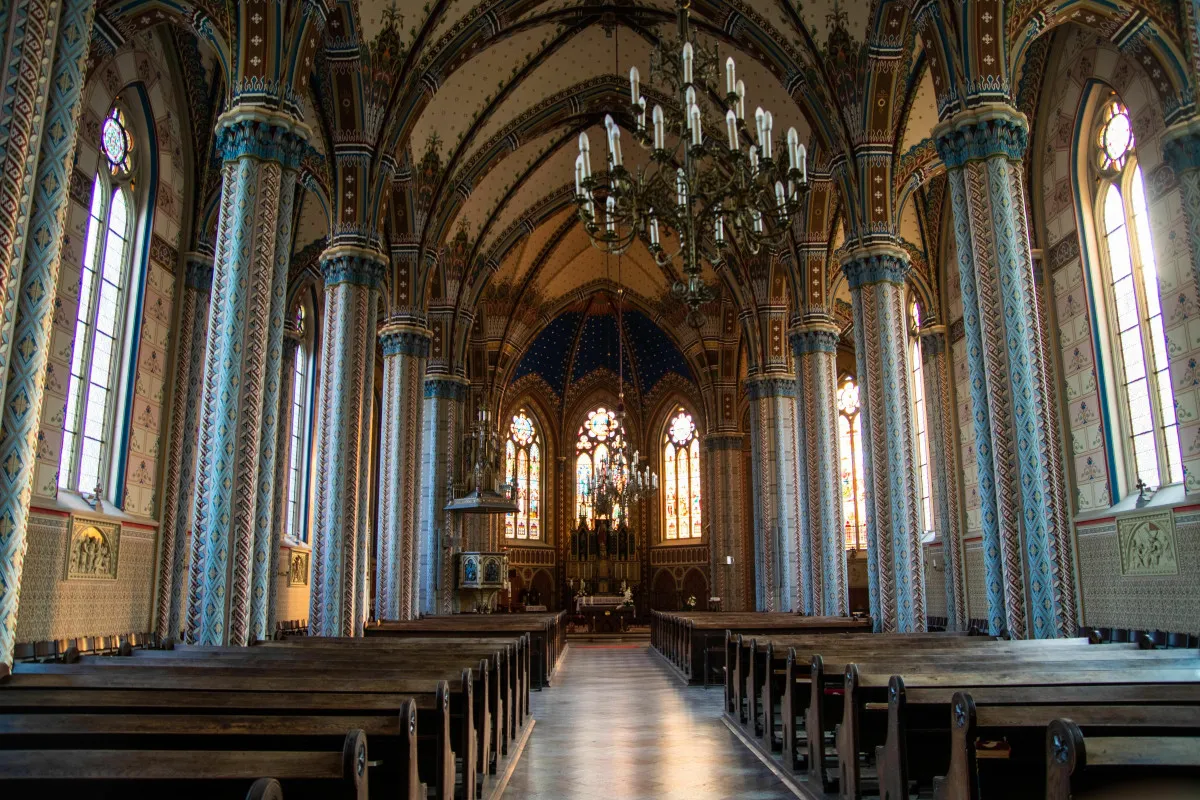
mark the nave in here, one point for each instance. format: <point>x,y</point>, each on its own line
<point>617,724</point>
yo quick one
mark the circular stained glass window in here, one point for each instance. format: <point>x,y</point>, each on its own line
<point>115,142</point>
<point>521,429</point>
<point>847,398</point>
<point>1116,136</point>
<point>682,428</point>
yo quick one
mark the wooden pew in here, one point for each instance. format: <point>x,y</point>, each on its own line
<point>491,693</point>
<point>1124,766</point>
<point>1012,735</point>
<point>865,694</point>
<point>341,774</point>
<point>250,690</point>
<point>547,635</point>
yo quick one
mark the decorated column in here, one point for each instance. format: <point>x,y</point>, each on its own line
<point>397,567</point>
<point>292,333</point>
<point>442,421</point>
<point>1028,561</point>
<point>232,524</point>
<point>35,299</point>
<point>822,546</point>
<point>341,544</point>
<point>776,492</point>
<point>174,534</point>
<point>943,463</point>
<point>725,511</point>
<point>895,569</point>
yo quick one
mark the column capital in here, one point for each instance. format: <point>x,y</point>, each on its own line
<point>772,385</point>
<point>994,129</point>
<point>405,340</point>
<point>876,264</point>
<point>815,337</point>
<point>253,132</point>
<point>355,265</point>
<point>447,387</point>
<point>198,271</point>
<point>1181,145</point>
<point>933,339</point>
<point>724,441</point>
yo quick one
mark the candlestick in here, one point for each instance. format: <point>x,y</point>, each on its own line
<point>658,127</point>
<point>633,85</point>
<point>694,115</point>
<point>730,78</point>
<point>793,141</point>
<point>741,101</point>
<point>687,62</point>
<point>731,127</point>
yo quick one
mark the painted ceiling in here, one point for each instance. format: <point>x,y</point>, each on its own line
<point>576,343</point>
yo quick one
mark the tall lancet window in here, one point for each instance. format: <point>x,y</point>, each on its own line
<point>302,403</point>
<point>854,502</point>
<point>101,354</point>
<point>681,478</point>
<point>1138,344</point>
<point>598,435</point>
<point>921,428</point>
<point>523,470</point>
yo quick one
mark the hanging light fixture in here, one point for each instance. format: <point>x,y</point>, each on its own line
<point>708,189</point>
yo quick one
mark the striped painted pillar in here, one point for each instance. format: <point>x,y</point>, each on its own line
<point>724,511</point>
<point>341,538</point>
<point>776,492</point>
<point>235,453</point>
<point>174,534</point>
<point>35,300</point>
<point>943,464</point>
<point>822,542</point>
<point>1027,542</point>
<point>397,568</point>
<point>442,429</point>
<point>895,569</point>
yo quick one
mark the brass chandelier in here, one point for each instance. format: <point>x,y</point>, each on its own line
<point>708,189</point>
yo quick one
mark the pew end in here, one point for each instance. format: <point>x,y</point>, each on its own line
<point>1119,766</point>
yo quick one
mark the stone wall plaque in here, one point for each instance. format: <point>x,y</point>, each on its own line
<point>1148,544</point>
<point>95,546</point>
<point>297,568</point>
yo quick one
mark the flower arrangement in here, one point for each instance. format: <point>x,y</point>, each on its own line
<point>690,602</point>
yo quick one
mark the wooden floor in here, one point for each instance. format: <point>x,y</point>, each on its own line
<point>616,724</point>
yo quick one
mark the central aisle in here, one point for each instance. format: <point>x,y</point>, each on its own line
<point>616,724</point>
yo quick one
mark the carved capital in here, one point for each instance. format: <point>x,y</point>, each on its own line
<point>198,273</point>
<point>353,265</point>
<point>816,337</point>
<point>447,388</point>
<point>251,132</point>
<point>1181,145</point>
<point>405,340</point>
<point>760,387</point>
<point>876,264</point>
<point>993,130</point>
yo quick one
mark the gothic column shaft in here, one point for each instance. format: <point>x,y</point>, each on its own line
<point>181,455</point>
<point>823,549</point>
<point>30,340</point>
<point>1027,543</point>
<point>397,568</point>
<point>943,464</point>
<point>442,421</point>
<point>895,569</point>
<point>235,462</point>
<point>338,602</point>
<point>776,492</point>
<point>724,509</point>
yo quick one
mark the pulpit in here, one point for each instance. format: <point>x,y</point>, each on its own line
<point>481,576</point>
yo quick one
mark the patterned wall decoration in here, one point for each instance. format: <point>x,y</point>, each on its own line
<point>1083,60</point>
<point>1149,602</point>
<point>776,492</point>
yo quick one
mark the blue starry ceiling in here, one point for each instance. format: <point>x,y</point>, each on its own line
<point>650,355</point>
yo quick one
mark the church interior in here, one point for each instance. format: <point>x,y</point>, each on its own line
<point>443,351</point>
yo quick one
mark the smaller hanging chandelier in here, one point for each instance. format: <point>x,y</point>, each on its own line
<point>710,190</point>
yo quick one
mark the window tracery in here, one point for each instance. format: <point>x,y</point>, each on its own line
<point>681,479</point>
<point>523,471</point>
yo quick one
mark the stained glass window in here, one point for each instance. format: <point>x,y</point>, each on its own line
<point>1147,410</point>
<point>523,469</point>
<point>297,527</point>
<point>854,504</point>
<point>98,354</point>
<point>116,143</point>
<point>599,432</point>
<point>925,507</point>
<point>681,479</point>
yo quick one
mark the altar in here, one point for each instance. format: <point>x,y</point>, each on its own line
<point>605,613</point>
